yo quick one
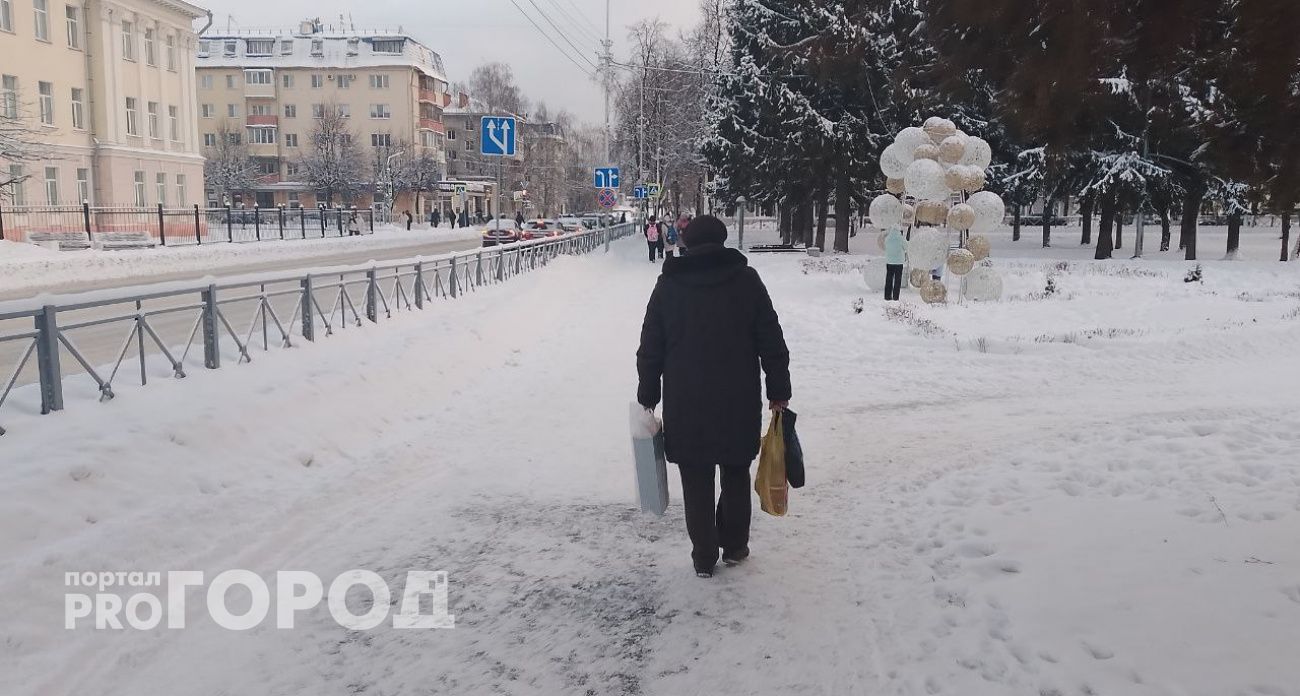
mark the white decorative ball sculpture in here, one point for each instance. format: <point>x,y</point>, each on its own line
<point>929,152</point>
<point>951,149</point>
<point>886,211</point>
<point>960,261</point>
<point>939,128</point>
<point>925,180</point>
<point>880,239</point>
<point>912,137</point>
<point>961,217</point>
<point>989,211</point>
<point>928,249</point>
<point>953,178</point>
<point>979,246</point>
<point>934,292</point>
<point>978,153</point>
<point>894,160</point>
<point>895,185</point>
<point>918,277</point>
<point>909,215</point>
<point>983,284</point>
<point>874,273</point>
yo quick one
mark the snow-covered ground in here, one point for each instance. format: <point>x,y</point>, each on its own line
<point>27,268</point>
<point>1094,491</point>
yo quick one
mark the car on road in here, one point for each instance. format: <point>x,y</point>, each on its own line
<point>541,229</point>
<point>570,223</point>
<point>500,231</point>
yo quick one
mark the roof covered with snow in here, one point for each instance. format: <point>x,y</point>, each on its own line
<point>318,49</point>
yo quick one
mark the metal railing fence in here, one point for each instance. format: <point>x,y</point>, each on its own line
<point>229,321</point>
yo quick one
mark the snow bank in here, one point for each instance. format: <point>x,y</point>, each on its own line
<point>1111,509</point>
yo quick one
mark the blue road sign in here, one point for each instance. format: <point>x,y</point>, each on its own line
<point>640,192</point>
<point>497,136</point>
<point>606,178</point>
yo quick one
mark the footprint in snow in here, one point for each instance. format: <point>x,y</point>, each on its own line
<point>1098,652</point>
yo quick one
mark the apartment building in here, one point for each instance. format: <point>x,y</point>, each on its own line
<point>270,86</point>
<point>105,89</point>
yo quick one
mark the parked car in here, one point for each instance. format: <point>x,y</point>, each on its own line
<point>500,231</point>
<point>541,229</point>
<point>572,224</point>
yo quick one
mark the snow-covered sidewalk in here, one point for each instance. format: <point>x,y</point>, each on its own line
<point>1093,491</point>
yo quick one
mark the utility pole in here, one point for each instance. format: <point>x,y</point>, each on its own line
<point>608,62</point>
<point>1142,201</point>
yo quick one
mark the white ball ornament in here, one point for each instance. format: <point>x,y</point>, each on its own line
<point>873,272</point>
<point>983,284</point>
<point>960,261</point>
<point>979,246</point>
<point>894,185</point>
<point>939,129</point>
<point>886,211</point>
<point>925,180</point>
<point>989,211</point>
<point>927,151</point>
<point>918,277</point>
<point>934,292</point>
<point>977,154</point>
<point>961,217</point>
<point>928,249</point>
<point>951,149</point>
<point>894,160</point>
<point>909,215</point>
<point>912,137</point>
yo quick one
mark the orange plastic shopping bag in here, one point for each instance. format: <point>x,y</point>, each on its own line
<point>770,484</point>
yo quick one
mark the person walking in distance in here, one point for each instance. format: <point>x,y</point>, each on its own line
<point>709,328</point>
<point>354,225</point>
<point>895,255</point>
<point>409,219</point>
<point>435,218</point>
<point>519,219</point>
<point>652,236</point>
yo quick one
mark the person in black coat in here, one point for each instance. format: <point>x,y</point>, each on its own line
<point>709,328</point>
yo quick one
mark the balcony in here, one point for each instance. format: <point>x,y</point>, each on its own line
<point>430,96</point>
<point>258,91</point>
<point>262,120</point>
<point>433,125</point>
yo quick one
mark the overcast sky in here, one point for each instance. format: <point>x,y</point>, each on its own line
<point>470,32</point>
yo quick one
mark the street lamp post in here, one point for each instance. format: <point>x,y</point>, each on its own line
<point>740,224</point>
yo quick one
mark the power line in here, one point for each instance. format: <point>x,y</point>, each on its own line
<point>568,57</point>
<point>697,71</point>
<point>584,33</point>
<point>560,31</point>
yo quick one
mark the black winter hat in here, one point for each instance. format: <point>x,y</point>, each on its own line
<point>704,229</point>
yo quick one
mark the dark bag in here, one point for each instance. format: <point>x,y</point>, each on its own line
<point>793,451</point>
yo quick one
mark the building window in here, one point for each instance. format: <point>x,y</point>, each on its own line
<point>294,201</point>
<point>259,110</point>
<point>132,120</point>
<point>161,181</point>
<point>381,139</point>
<point>17,191</point>
<point>291,111</point>
<point>9,96</point>
<point>139,190</point>
<point>234,138</point>
<point>83,185</point>
<point>354,45</point>
<point>78,108</point>
<point>209,140</point>
<point>41,8</point>
<point>379,82</point>
<point>291,169</point>
<point>73,13</point>
<point>317,47</point>
<point>317,81</point>
<point>228,48</point>
<point>230,81</point>
<point>318,111</point>
<point>261,136</point>
<point>380,111</point>
<point>345,81</point>
<point>451,134</point>
<point>51,186</point>
<point>259,47</point>
<point>286,47</point>
<point>345,110</point>
<point>171,51</point>
<point>204,46</point>
<point>287,80</point>
<point>291,140</point>
<point>6,15</point>
<point>208,110</point>
<point>257,77</point>
<point>150,53</point>
<point>232,111</point>
<point>181,194</point>
<point>205,82</point>
<point>174,123</point>
<point>152,108</point>
<point>268,167</point>
<point>387,46</point>
<point>46,102</point>
<point>128,40</point>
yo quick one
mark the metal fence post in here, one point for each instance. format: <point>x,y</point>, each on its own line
<point>257,221</point>
<point>419,285</point>
<point>321,209</point>
<point>372,297</point>
<point>162,227</point>
<point>478,271</point>
<point>340,221</point>
<point>85,219</point>
<point>607,235</point>
<point>211,329</point>
<point>2,222</point>
<point>302,221</point>
<point>453,281</point>
<point>47,359</point>
<point>372,220</point>
<point>280,211</point>
<point>308,317</point>
<point>230,230</point>
<point>501,264</point>
<point>198,233</point>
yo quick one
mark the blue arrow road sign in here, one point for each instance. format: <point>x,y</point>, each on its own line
<point>640,192</point>
<point>606,177</point>
<point>497,136</point>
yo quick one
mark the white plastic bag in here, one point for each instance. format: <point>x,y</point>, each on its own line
<point>648,455</point>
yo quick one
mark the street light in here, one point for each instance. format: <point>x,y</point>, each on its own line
<point>740,224</point>
<point>388,174</point>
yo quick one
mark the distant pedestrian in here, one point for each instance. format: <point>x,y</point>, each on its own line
<point>895,255</point>
<point>623,219</point>
<point>354,225</point>
<point>709,327</point>
<point>435,218</point>
<point>519,219</point>
<point>652,237</point>
<point>663,234</point>
<point>409,219</point>
<point>464,218</point>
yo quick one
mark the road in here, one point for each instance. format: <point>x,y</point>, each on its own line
<point>101,344</point>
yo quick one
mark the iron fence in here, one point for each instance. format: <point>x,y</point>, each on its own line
<point>87,342</point>
<point>121,227</point>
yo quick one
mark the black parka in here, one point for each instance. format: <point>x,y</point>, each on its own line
<point>709,326</point>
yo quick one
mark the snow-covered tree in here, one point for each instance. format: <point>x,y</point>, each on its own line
<point>333,163</point>
<point>228,167</point>
<point>20,143</point>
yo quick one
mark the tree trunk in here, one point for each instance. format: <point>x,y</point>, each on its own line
<point>1015,223</point>
<point>1165,233</point>
<point>1085,209</point>
<point>1047,223</point>
<point>1286,233</point>
<point>843,190</point>
<point>1119,227</point>
<point>822,213</point>
<point>1234,235</point>
<point>1104,244</point>
<point>1191,212</point>
<point>785,220</point>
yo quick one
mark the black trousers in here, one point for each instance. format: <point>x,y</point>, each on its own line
<point>653,247</point>
<point>893,280</point>
<point>727,526</point>
<point>660,246</point>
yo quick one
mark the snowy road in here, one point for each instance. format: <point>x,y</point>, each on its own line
<point>1089,492</point>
